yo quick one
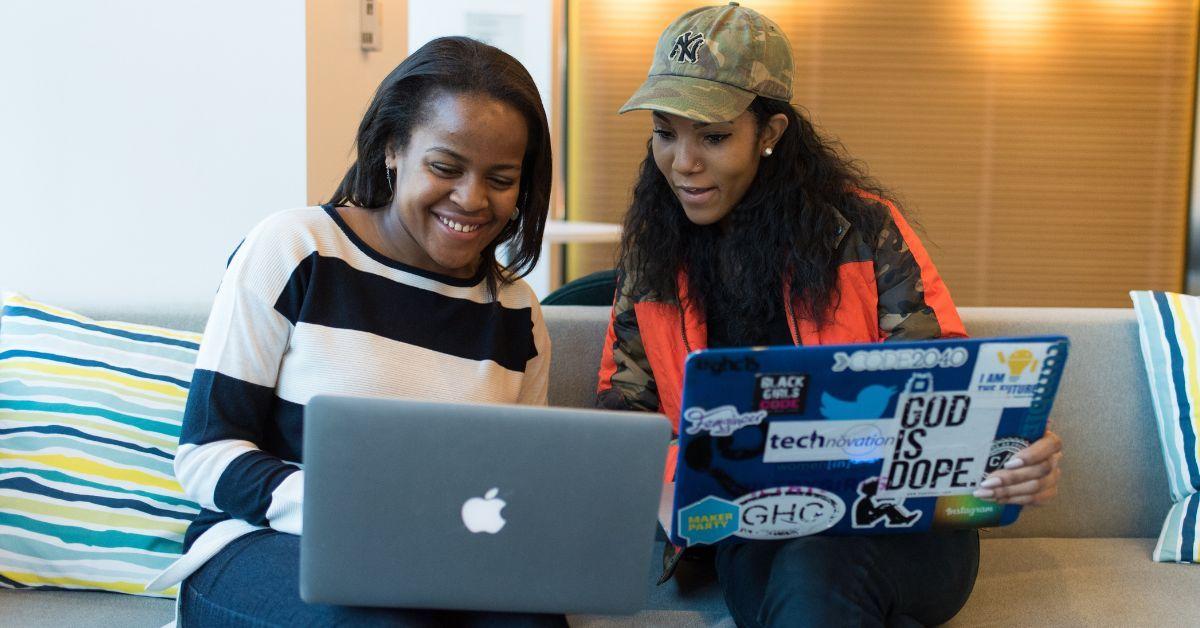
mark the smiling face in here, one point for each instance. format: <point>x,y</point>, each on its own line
<point>711,166</point>
<point>456,183</point>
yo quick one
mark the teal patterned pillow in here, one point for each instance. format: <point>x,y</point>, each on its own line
<point>89,421</point>
<point>1169,327</point>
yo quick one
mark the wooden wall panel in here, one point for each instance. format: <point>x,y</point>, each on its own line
<point>1043,145</point>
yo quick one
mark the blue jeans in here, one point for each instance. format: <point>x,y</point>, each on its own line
<point>255,581</point>
<point>889,580</point>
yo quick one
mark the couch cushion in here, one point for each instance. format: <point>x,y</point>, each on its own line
<point>1079,582</point>
<point>68,609</point>
<point>89,421</point>
<point>1044,582</point>
<point>576,336</point>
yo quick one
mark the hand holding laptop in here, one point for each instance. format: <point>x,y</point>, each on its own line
<point>1029,478</point>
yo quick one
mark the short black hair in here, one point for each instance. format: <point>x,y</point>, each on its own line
<point>457,65</point>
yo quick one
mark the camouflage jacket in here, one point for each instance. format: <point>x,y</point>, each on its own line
<point>888,290</point>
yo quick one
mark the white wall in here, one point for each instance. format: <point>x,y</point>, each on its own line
<point>522,28</point>
<point>140,140</point>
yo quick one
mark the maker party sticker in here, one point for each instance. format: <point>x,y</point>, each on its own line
<point>708,521</point>
<point>787,512</point>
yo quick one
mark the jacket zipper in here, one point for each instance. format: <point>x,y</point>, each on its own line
<point>791,319</point>
<point>687,347</point>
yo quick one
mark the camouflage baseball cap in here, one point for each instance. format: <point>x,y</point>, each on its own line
<point>711,62</point>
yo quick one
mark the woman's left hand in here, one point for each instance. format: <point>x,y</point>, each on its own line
<point>1030,477</point>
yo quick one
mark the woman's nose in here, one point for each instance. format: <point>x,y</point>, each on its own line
<point>686,159</point>
<point>471,194</point>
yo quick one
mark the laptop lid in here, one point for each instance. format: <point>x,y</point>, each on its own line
<point>478,507</point>
<point>781,442</point>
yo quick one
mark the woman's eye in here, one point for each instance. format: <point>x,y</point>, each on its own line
<point>715,138</point>
<point>443,170</point>
<point>663,133</point>
<point>502,183</point>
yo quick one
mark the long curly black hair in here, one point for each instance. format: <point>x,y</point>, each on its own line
<point>784,228</point>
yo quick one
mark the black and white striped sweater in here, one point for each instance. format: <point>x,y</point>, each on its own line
<point>305,308</point>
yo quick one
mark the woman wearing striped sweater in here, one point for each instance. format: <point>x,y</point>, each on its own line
<point>393,289</point>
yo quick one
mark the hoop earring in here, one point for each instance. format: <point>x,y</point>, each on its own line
<point>387,173</point>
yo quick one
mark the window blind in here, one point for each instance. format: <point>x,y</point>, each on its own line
<point>1044,147</point>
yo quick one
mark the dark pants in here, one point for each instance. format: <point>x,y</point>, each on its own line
<point>255,581</point>
<point>890,580</point>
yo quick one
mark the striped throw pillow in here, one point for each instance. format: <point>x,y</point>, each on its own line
<point>1169,326</point>
<point>89,421</point>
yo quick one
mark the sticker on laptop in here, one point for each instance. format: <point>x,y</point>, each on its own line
<point>720,421</point>
<point>707,521</point>
<point>870,510</point>
<point>811,441</point>
<point>868,403</point>
<point>780,393</point>
<point>786,512</point>
<point>943,441</point>
<point>965,511</point>
<point>1010,370</point>
<point>899,359</point>
<point>1003,450</point>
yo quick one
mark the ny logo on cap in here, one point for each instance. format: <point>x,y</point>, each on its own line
<point>686,46</point>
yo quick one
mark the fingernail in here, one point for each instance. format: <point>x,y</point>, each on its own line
<point>1014,463</point>
<point>983,492</point>
<point>990,483</point>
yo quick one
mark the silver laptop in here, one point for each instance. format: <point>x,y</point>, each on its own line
<point>479,507</point>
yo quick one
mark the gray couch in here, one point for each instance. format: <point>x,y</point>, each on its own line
<point>1084,560</point>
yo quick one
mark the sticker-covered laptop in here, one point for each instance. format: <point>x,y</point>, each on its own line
<point>783,442</point>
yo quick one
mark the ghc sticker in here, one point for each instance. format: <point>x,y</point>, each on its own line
<point>787,512</point>
<point>708,521</point>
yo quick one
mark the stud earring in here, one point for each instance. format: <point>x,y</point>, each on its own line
<point>768,151</point>
<point>516,214</point>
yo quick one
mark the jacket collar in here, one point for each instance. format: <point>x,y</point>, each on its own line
<point>843,227</point>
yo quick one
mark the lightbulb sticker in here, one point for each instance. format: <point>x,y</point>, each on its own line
<point>1017,362</point>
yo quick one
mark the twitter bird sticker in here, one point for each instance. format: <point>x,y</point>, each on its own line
<point>870,404</point>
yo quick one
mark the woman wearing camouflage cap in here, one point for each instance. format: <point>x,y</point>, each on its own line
<point>748,228</point>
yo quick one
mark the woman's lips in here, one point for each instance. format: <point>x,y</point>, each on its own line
<point>697,196</point>
<point>458,229</point>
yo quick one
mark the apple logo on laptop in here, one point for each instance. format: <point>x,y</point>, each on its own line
<point>483,514</point>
